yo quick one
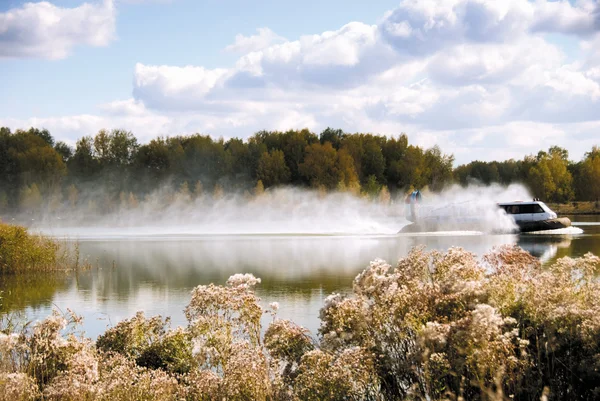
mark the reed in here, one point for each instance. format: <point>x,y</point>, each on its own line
<point>21,251</point>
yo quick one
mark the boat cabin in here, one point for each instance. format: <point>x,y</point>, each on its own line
<point>528,211</point>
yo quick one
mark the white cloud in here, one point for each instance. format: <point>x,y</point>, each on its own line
<point>335,58</point>
<point>145,1</point>
<point>591,48</point>
<point>47,31</point>
<point>128,107</point>
<point>421,27</point>
<point>492,63</point>
<point>581,18</point>
<point>477,77</point>
<point>487,68</point>
<point>263,39</point>
<point>174,87</point>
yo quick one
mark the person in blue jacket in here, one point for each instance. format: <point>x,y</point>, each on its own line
<point>412,202</point>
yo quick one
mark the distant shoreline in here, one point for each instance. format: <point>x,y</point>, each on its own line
<point>576,208</point>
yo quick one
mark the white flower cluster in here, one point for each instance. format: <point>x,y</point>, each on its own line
<point>243,280</point>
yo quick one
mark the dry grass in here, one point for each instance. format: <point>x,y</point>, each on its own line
<point>436,326</point>
<point>21,251</point>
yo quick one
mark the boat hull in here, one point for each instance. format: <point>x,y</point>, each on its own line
<point>433,225</point>
<point>544,225</point>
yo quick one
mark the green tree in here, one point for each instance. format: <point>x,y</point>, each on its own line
<point>102,147</point>
<point>293,144</point>
<point>439,168</point>
<point>272,169</point>
<point>549,177</point>
<point>122,147</point>
<point>394,150</point>
<point>83,164</point>
<point>320,166</point>
<point>347,171</point>
<point>373,162</point>
<point>334,136</point>
<point>64,150</point>
<point>588,181</point>
<point>241,159</point>
<point>371,187</point>
<point>412,169</point>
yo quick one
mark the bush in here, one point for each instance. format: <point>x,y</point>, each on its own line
<point>437,326</point>
<point>171,353</point>
<point>133,336</point>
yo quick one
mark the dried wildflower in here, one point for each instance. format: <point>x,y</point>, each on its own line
<point>243,280</point>
<point>273,308</point>
<point>131,337</point>
<point>437,326</point>
<point>218,316</point>
<point>122,379</point>
<point>287,341</point>
<point>246,374</point>
<point>79,380</point>
<point>204,385</point>
<point>17,386</point>
<point>325,376</point>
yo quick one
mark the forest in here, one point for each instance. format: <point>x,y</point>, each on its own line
<point>37,171</point>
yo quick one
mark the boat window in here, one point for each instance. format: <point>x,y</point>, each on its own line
<point>527,208</point>
<point>522,209</point>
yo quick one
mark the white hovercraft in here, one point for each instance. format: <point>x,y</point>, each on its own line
<point>527,216</point>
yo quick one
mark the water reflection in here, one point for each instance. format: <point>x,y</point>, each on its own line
<point>34,291</point>
<point>546,247</point>
<point>157,274</point>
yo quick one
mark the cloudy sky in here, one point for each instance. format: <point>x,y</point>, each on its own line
<point>483,79</point>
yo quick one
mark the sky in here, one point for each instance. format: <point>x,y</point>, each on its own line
<point>482,79</point>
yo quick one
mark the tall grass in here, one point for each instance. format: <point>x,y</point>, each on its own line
<point>436,326</point>
<point>21,251</point>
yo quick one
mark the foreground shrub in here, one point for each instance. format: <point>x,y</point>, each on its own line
<point>448,324</point>
<point>437,326</point>
<point>349,375</point>
<point>558,313</point>
<point>287,343</point>
<point>17,387</point>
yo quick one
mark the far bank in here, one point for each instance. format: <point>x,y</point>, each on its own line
<point>576,208</point>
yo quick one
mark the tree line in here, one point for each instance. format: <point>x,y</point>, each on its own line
<point>549,175</point>
<point>35,169</point>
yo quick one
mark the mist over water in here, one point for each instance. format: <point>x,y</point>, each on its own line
<point>282,211</point>
<point>303,244</point>
<point>473,208</point>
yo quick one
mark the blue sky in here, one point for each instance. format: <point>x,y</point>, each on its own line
<point>171,32</point>
<point>482,79</point>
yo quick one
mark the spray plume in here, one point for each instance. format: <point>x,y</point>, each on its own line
<point>281,211</point>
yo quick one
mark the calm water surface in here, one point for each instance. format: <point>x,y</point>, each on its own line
<point>156,274</point>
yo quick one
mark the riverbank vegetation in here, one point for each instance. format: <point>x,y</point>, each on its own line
<point>24,252</point>
<point>112,170</point>
<point>437,325</point>
<point>576,208</point>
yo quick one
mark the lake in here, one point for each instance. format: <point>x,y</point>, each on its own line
<point>156,273</point>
